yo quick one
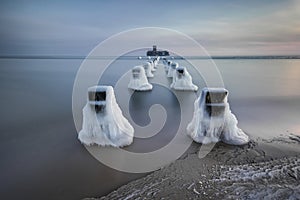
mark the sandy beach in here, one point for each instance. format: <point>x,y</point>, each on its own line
<point>261,169</point>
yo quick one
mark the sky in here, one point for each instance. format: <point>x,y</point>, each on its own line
<point>224,27</point>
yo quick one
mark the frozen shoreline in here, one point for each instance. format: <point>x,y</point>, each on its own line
<point>262,168</point>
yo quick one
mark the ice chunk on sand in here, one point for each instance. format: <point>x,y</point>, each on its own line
<point>172,69</point>
<point>103,121</point>
<point>213,120</point>
<point>182,80</point>
<point>139,80</point>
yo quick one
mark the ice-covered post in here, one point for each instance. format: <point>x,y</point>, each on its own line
<point>103,121</point>
<point>139,80</point>
<point>213,120</point>
<point>182,80</point>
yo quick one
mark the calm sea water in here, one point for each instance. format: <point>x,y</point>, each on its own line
<point>42,158</point>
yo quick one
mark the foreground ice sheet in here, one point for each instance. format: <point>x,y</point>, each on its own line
<point>103,121</point>
<point>172,69</point>
<point>139,80</point>
<point>182,80</point>
<point>213,120</point>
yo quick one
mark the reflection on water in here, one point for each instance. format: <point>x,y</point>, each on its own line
<point>139,106</point>
<point>261,78</point>
<point>264,94</point>
<point>291,78</point>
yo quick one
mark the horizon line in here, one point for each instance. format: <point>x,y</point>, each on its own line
<point>142,57</point>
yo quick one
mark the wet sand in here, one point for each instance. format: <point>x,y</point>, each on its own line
<point>261,169</point>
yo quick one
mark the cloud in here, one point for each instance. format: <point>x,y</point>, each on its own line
<point>227,27</point>
<point>277,32</point>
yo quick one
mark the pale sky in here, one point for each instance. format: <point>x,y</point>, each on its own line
<point>224,27</point>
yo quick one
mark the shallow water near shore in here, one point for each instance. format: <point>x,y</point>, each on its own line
<point>42,158</point>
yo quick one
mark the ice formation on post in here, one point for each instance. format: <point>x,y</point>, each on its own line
<point>139,80</point>
<point>182,80</point>
<point>103,121</point>
<point>213,120</point>
<point>172,69</point>
<point>155,62</point>
<point>167,65</point>
<point>152,68</point>
<point>148,71</point>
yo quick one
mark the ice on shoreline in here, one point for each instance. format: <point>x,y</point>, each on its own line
<point>215,178</point>
<point>276,179</point>
<point>103,121</point>
<point>213,120</point>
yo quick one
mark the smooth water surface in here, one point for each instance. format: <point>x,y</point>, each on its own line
<point>42,158</point>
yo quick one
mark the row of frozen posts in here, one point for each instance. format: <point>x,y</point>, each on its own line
<point>213,121</point>
<point>181,79</point>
